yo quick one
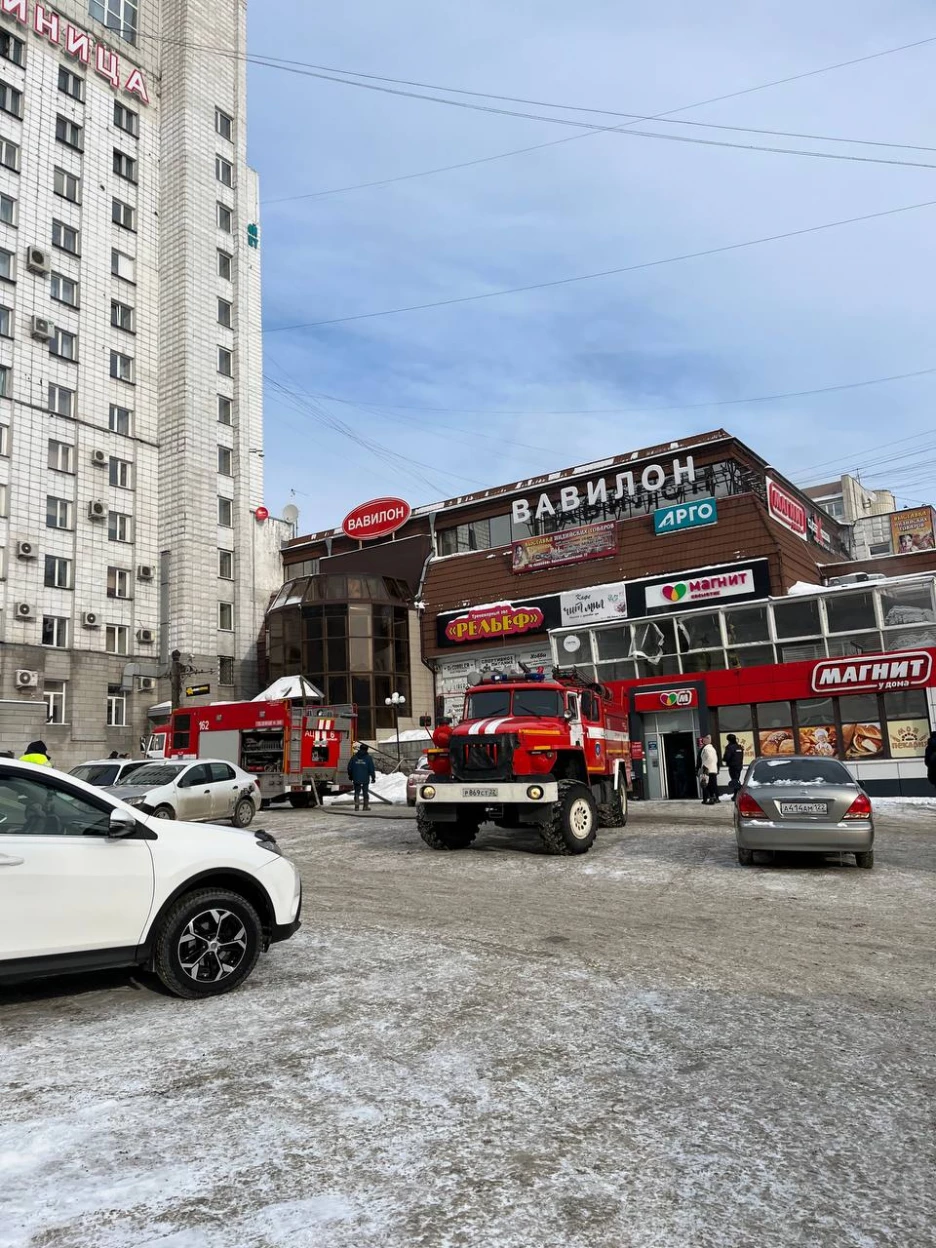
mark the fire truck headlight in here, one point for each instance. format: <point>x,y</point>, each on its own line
<point>534,793</point>
<point>427,792</point>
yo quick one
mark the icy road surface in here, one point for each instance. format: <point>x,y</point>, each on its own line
<point>646,1047</point>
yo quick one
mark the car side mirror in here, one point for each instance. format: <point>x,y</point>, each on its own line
<point>121,824</point>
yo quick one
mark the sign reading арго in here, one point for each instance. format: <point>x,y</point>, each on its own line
<point>685,516</point>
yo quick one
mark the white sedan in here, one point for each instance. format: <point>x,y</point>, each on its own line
<point>87,883</point>
<point>201,791</point>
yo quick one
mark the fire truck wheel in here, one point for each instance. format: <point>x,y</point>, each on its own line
<point>446,835</point>
<point>299,801</point>
<point>613,814</point>
<point>243,813</point>
<point>574,820</point>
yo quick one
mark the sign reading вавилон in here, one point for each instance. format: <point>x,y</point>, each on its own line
<point>653,478</point>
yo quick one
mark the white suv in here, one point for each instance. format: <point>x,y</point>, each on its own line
<point>87,882</point>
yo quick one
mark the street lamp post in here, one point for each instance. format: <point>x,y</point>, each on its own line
<point>396,700</point>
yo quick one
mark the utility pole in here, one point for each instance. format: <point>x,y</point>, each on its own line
<point>175,675</point>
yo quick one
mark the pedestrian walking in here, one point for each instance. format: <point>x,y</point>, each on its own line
<point>708,772</point>
<point>930,759</point>
<point>37,753</point>
<point>361,772</point>
<point>733,759</point>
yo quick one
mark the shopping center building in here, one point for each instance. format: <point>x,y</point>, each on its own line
<point>130,363</point>
<point>691,577</point>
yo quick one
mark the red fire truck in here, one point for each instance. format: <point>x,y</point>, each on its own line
<point>552,754</point>
<point>294,751</point>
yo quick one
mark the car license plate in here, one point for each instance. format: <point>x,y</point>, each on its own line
<point>804,808</point>
<point>479,792</point>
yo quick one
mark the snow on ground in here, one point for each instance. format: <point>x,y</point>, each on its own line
<point>391,788</point>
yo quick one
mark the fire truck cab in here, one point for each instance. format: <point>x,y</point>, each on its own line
<point>294,752</point>
<point>552,754</point>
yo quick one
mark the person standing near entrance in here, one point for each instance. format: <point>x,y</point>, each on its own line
<point>733,759</point>
<point>361,772</point>
<point>708,772</point>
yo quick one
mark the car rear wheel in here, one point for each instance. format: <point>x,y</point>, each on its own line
<point>164,812</point>
<point>243,813</point>
<point>745,857</point>
<point>865,860</point>
<point>207,944</point>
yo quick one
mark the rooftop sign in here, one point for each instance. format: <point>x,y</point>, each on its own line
<point>378,518</point>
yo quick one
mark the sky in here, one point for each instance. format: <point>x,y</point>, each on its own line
<point>434,403</point>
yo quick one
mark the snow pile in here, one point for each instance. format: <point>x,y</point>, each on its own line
<point>391,788</point>
<point>290,687</point>
<point>411,734</point>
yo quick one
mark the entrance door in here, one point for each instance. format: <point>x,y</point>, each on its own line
<point>678,765</point>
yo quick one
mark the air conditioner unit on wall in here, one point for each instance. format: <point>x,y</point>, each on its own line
<point>99,459</point>
<point>145,635</point>
<point>26,680</point>
<point>38,260</point>
<point>146,572</point>
<point>97,510</point>
<point>25,550</point>
<point>23,611</point>
<point>146,684</point>
<point>91,619</point>
<point>41,328</point>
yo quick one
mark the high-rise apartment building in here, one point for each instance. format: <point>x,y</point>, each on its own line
<point>130,362</point>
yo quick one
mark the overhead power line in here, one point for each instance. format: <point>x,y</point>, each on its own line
<point>586,277</point>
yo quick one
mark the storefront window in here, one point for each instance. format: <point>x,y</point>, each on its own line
<point>817,732</point>
<point>910,638</point>
<point>907,723</point>
<point>864,643</point>
<point>705,661</point>
<point>613,643</point>
<point>797,618</point>
<point>861,726</point>
<point>624,670</point>
<point>747,624</point>
<point>775,729</point>
<point>699,632</point>
<point>666,665</point>
<point>908,604</point>
<point>736,720</point>
<point>850,613</point>
<point>751,656</point>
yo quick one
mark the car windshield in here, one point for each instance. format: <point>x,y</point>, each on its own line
<point>97,773</point>
<point>538,702</point>
<point>154,774</point>
<point>488,703</point>
<point>798,771</point>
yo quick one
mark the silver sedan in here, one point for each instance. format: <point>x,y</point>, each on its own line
<point>805,805</point>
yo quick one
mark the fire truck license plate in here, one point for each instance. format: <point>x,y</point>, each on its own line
<point>466,792</point>
<point>804,808</point>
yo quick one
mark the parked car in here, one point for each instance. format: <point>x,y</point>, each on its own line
<point>105,771</point>
<point>88,882</point>
<point>803,804</point>
<point>207,790</point>
<point>419,775</point>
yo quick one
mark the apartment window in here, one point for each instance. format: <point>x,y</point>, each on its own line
<point>225,513</point>
<point>117,15</point>
<point>58,513</point>
<point>11,48</point>
<point>4,502</point>
<point>71,84</point>
<point>4,381</point>
<point>225,669</point>
<point>225,362</point>
<point>64,237</point>
<point>55,631</point>
<point>7,210</point>
<point>122,265</point>
<point>119,527</point>
<point>226,616</point>
<point>63,289</point>
<point>69,133</point>
<point>121,366</point>
<point>126,119</point>
<point>123,214</point>
<point>53,694</point>
<point>225,216</point>
<point>225,461</point>
<point>125,166</point>
<point>224,125</point>
<point>116,707</point>
<point>67,185</point>
<point>224,171</point>
<point>118,583</point>
<point>6,322</point>
<point>225,410</point>
<point>58,572</point>
<point>117,638</point>
<point>4,440</point>
<point>61,401</point>
<point>9,156</point>
<point>225,313</point>
<point>11,101</point>
<point>119,420</point>
<point>226,565</point>
<point>225,264</point>
<point>64,345</point>
<point>6,265</point>
<point>121,473</point>
<point>61,456</point>
<point>122,316</point>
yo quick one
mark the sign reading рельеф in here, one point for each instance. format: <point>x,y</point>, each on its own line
<point>603,490</point>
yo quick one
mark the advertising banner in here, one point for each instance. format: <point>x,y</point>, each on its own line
<point>908,737</point>
<point>912,530</point>
<point>493,623</point>
<point>552,550</point>
<point>787,510</point>
<point>666,700</point>
<point>601,602</point>
<point>875,673</point>
<point>685,516</point>
<point>687,591</point>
